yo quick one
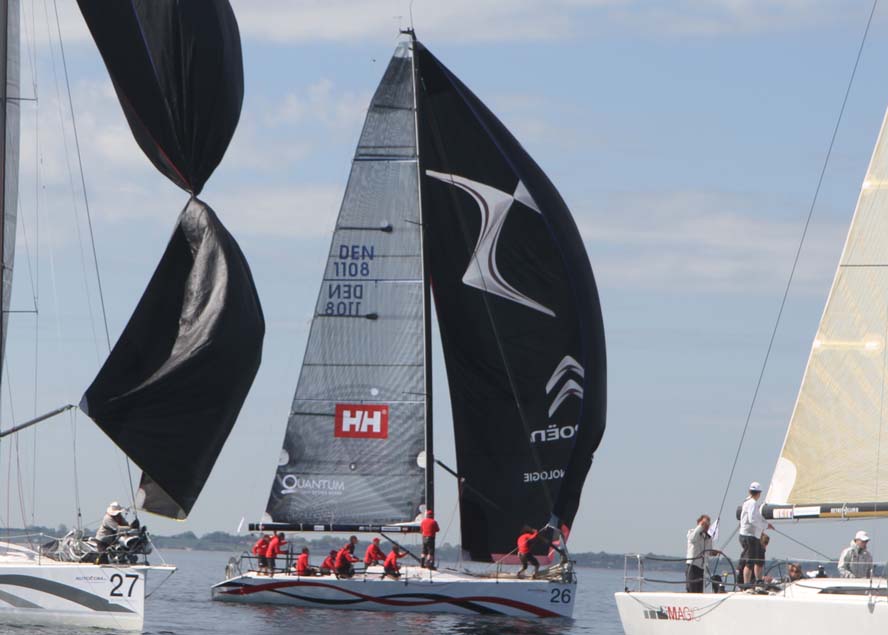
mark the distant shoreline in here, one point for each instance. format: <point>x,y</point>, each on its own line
<point>219,541</point>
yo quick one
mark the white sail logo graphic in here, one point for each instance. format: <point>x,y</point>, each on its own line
<point>494,205</point>
<point>570,388</point>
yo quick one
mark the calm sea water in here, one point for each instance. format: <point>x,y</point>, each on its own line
<point>182,606</point>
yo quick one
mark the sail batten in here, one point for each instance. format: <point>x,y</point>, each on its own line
<point>834,450</point>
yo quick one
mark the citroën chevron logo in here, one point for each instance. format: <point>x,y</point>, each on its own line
<point>570,388</point>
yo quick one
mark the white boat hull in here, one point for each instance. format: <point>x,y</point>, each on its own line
<point>74,594</point>
<point>416,591</point>
<point>815,606</point>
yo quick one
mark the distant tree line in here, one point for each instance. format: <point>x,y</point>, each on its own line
<point>237,543</point>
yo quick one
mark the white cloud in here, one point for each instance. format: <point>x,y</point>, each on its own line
<point>711,241</point>
<point>300,21</point>
<point>322,102</point>
<point>297,211</point>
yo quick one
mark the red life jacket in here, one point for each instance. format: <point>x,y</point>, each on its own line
<point>274,547</point>
<point>524,541</point>
<point>302,564</point>
<point>429,527</point>
<point>391,560</point>
<point>373,554</point>
<point>329,563</point>
<point>260,547</point>
<point>344,556</point>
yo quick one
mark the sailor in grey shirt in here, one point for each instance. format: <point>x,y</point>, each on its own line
<point>856,561</point>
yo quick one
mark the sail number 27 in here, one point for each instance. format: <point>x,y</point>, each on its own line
<point>559,596</point>
<point>117,591</point>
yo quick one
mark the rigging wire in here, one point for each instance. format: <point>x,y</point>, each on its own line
<point>801,544</point>
<point>798,253</point>
<point>70,171</point>
<point>92,238</point>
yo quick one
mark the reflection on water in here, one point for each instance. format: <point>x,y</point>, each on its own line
<point>182,606</point>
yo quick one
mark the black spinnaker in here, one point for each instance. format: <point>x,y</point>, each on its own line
<point>175,381</point>
<point>519,317</point>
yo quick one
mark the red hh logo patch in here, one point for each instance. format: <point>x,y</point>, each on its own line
<point>361,421</point>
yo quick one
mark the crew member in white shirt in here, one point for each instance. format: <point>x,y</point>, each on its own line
<point>752,524</point>
<point>699,546</point>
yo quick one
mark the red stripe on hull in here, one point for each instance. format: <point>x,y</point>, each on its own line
<point>515,604</point>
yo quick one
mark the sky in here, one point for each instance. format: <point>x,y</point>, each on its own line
<point>687,137</point>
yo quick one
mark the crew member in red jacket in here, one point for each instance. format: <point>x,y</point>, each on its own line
<point>345,557</point>
<point>374,555</point>
<point>328,566</point>
<point>391,566</point>
<point>525,542</point>
<point>275,548</point>
<point>259,550</point>
<point>429,528</point>
<point>302,565</point>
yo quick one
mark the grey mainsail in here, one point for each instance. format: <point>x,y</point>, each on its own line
<point>9,120</point>
<point>353,453</point>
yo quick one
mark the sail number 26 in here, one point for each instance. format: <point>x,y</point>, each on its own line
<point>559,596</point>
<point>117,591</point>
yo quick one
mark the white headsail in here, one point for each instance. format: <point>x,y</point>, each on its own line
<point>836,448</point>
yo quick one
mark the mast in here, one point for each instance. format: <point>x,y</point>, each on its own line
<point>426,294</point>
<point>4,49</point>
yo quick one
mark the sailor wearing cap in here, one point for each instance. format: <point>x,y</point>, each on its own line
<point>113,521</point>
<point>856,561</point>
<point>752,524</point>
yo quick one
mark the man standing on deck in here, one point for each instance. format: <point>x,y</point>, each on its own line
<point>856,561</point>
<point>699,545</point>
<point>525,542</point>
<point>274,550</point>
<point>752,524</point>
<point>429,528</point>
<point>259,550</point>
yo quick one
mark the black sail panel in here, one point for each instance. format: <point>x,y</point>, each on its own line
<point>172,387</point>
<point>519,317</point>
<point>178,73</point>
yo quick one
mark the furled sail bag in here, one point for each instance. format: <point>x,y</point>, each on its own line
<point>174,384</point>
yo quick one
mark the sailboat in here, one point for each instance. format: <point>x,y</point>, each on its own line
<point>441,201</point>
<point>831,465</point>
<point>173,384</point>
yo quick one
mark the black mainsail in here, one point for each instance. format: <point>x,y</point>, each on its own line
<point>9,153</point>
<point>441,195</point>
<point>174,383</point>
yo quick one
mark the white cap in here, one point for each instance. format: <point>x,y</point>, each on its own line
<point>861,535</point>
<point>755,486</point>
<point>114,508</point>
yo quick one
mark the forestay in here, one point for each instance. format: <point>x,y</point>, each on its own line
<point>354,446</point>
<point>836,450</point>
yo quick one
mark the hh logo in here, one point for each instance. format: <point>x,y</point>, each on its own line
<point>362,421</point>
